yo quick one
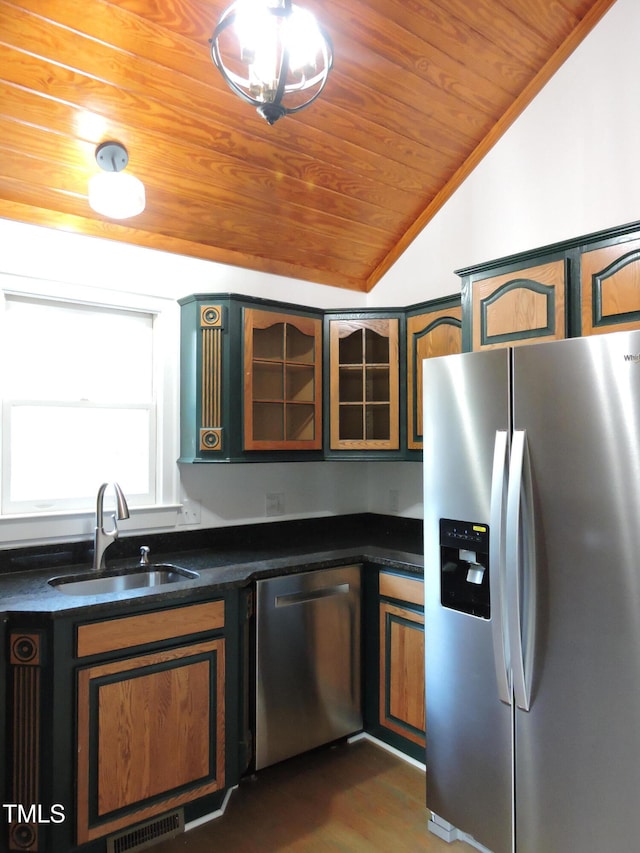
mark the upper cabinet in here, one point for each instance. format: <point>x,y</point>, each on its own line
<point>517,302</point>
<point>282,381</point>
<point>250,379</point>
<point>584,286</point>
<point>433,329</point>
<point>262,380</point>
<point>610,286</point>
<point>363,387</point>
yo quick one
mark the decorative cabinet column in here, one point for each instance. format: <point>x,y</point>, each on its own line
<point>433,329</point>
<point>27,653</point>
<point>4,691</point>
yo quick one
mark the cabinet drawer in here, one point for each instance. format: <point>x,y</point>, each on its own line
<point>402,588</point>
<point>127,631</point>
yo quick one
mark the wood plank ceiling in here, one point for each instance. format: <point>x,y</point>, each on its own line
<point>420,90</point>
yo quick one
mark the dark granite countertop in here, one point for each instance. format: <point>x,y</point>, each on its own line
<point>232,557</point>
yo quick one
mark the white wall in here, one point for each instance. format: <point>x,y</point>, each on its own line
<point>224,494</point>
<point>568,166</point>
<point>30,250</point>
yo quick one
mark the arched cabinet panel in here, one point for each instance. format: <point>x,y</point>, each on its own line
<point>522,306</point>
<point>432,331</point>
<point>610,288</point>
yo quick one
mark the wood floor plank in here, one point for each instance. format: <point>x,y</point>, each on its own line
<point>355,798</point>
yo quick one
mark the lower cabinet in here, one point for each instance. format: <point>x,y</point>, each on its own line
<point>128,725</point>
<point>395,689</point>
<point>150,727</point>
<point>124,727</point>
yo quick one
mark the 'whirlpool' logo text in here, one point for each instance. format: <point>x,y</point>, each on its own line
<point>635,357</point>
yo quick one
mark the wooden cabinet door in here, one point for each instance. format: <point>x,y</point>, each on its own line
<point>151,735</point>
<point>402,683</point>
<point>282,381</point>
<point>364,408</point>
<point>431,334</point>
<point>520,307</point>
<point>610,288</point>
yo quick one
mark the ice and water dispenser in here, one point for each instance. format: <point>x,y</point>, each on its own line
<point>464,567</point>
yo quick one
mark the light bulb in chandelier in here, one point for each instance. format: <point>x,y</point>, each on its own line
<point>272,54</point>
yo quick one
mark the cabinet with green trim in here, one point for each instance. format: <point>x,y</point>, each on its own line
<point>394,660</point>
<point>259,378</point>
<point>250,380</point>
<point>124,723</point>
<point>515,301</point>
<point>587,285</point>
<point>364,394</point>
<point>434,329</point>
<point>608,283</point>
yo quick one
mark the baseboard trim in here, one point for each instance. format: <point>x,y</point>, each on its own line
<point>388,748</point>
<point>193,824</point>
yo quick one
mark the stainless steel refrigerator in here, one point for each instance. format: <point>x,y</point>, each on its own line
<point>532,595</point>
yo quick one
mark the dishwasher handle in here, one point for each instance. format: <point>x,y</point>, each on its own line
<point>307,595</point>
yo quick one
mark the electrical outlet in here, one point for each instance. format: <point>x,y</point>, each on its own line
<point>191,512</point>
<point>394,500</point>
<point>274,503</point>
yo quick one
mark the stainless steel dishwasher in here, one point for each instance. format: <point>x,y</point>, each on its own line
<point>308,689</point>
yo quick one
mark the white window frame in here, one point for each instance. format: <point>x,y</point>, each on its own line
<point>60,525</point>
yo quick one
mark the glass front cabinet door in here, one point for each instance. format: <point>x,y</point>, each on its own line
<point>364,383</point>
<point>282,381</point>
<point>250,380</point>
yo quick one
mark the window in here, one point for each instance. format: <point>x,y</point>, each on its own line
<point>79,404</point>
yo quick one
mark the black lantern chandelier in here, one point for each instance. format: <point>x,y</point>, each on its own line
<point>272,54</point>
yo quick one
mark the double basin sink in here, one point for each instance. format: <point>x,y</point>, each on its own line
<point>152,575</point>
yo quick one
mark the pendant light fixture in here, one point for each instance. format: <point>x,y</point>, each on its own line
<point>112,192</point>
<point>272,54</point>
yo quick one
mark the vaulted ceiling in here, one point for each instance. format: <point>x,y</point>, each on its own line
<point>419,92</point>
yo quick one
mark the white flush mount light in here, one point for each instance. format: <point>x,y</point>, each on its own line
<point>273,55</point>
<point>113,192</point>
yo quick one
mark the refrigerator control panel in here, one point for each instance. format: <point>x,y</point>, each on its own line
<point>464,567</point>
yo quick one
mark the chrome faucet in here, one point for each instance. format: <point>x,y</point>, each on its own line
<point>103,538</point>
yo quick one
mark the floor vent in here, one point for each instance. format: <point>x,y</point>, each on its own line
<point>146,834</point>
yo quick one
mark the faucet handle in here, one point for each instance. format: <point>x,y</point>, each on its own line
<point>144,555</point>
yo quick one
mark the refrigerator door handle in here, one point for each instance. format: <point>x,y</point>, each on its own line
<point>520,561</point>
<point>497,564</point>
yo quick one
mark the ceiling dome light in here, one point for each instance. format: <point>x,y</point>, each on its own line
<point>112,192</point>
<point>272,54</point>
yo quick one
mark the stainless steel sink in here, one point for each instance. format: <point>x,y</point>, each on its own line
<point>155,574</point>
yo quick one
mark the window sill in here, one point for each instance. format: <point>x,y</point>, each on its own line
<point>67,526</point>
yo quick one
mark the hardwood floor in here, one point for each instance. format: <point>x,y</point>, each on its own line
<point>354,798</point>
